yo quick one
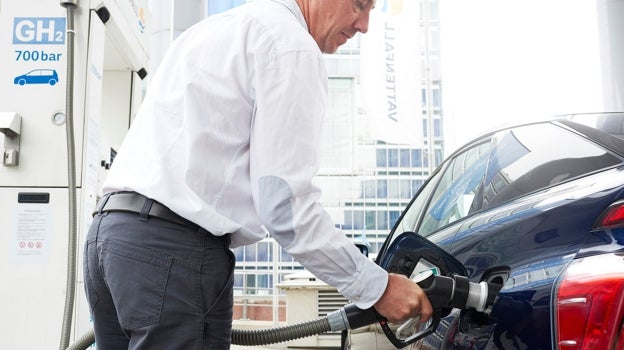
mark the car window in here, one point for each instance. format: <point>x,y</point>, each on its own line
<point>510,164</point>
<point>457,189</point>
<point>534,157</point>
<point>410,217</point>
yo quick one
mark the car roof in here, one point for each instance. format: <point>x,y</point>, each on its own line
<point>611,123</point>
<point>607,129</point>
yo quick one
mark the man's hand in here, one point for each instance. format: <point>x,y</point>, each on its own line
<point>403,299</point>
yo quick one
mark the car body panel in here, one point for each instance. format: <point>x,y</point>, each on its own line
<point>537,239</point>
<point>535,222</point>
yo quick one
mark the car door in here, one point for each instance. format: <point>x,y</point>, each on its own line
<point>439,209</point>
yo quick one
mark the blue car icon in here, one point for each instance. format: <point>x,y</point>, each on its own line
<point>37,76</point>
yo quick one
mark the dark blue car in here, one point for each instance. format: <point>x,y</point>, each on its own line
<point>538,208</point>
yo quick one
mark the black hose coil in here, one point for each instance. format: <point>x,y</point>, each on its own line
<point>254,337</point>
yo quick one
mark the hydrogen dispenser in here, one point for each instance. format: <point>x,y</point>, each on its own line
<point>70,85</point>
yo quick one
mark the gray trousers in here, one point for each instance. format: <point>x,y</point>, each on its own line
<point>153,284</point>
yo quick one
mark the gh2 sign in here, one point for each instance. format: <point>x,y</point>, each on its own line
<point>39,30</point>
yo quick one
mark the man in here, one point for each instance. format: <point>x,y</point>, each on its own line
<point>226,143</point>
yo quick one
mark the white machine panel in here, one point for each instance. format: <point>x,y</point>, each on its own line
<point>33,266</point>
<point>33,85</point>
<point>110,58</point>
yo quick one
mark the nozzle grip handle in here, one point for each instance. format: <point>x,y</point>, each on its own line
<point>439,290</point>
<point>401,343</point>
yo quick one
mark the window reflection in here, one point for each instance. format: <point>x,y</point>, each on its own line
<point>512,163</point>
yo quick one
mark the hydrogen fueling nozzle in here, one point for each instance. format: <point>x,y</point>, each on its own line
<point>440,275</point>
<point>444,293</point>
<point>457,291</point>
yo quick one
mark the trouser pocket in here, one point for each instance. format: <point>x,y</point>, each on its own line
<point>136,278</point>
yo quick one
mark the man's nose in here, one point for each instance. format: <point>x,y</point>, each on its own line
<point>361,23</point>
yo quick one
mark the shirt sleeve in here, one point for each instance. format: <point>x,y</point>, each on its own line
<point>290,94</point>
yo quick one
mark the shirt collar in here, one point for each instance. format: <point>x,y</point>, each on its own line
<point>294,8</point>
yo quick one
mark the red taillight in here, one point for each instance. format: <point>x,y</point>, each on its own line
<point>590,304</point>
<point>613,217</point>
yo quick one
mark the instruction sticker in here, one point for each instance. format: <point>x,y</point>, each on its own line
<point>32,232</point>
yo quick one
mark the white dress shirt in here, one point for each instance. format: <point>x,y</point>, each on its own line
<point>228,137</point>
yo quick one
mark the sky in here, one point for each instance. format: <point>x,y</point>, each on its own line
<point>516,60</point>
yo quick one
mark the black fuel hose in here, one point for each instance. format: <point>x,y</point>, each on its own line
<point>347,317</point>
<point>246,337</point>
<point>279,334</point>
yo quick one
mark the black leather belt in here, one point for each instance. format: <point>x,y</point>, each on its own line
<point>132,202</point>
